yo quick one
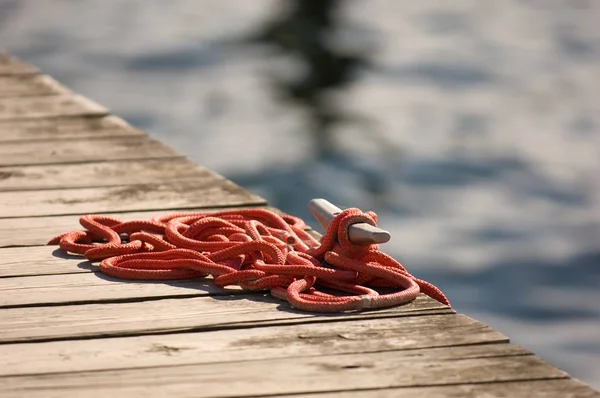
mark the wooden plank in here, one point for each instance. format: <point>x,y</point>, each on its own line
<point>560,388</point>
<point>42,260</point>
<point>427,367</point>
<point>315,339</point>
<point>65,127</point>
<point>210,191</point>
<point>13,66</point>
<point>93,287</point>
<point>48,106</point>
<point>29,86</point>
<point>36,231</point>
<point>49,260</point>
<point>99,174</point>
<point>82,150</point>
<point>29,324</point>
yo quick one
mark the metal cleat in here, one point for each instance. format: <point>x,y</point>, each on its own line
<point>360,234</point>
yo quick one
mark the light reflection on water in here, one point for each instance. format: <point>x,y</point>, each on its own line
<point>478,143</point>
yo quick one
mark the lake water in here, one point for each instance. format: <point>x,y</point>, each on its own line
<point>475,136</point>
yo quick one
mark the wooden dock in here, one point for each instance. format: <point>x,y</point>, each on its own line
<point>67,330</point>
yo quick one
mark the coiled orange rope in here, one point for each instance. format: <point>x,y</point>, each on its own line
<point>256,249</point>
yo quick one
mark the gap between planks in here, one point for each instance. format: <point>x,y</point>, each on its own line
<point>427,367</point>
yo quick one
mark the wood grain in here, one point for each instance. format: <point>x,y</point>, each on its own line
<point>561,388</point>
<point>210,191</point>
<point>93,287</point>
<point>436,366</point>
<point>176,315</point>
<point>13,66</point>
<point>29,86</point>
<point>59,128</point>
<point>314,339</point>
<point>35,231</point>
<point>90,287</point>
<point>41,260</point>
<point>82,150</point>
<point>99,174</point>
<point>48,106</point>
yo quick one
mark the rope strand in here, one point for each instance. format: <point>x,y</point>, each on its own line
<point>256,249</point>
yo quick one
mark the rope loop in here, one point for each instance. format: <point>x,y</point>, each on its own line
<point>256,249</point>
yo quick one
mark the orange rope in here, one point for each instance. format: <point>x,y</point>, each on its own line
<point>256,249</point>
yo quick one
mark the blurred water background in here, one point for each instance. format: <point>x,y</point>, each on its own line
<point>472,127</point>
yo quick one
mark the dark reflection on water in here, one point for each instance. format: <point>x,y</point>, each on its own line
<point>441,74</point>
<point>305,30</point>
<point>180,59</point>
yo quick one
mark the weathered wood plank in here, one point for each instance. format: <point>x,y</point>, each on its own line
<point>427,367</point>
<point>82,150</point>
<point>65,127</point>
<point>13,66</point>
<point>30,86</point>
<point>49,260</point>
<point>41,260</point>
<point>210,191</point>
<point>49,106</point>
<point>170,315</point>
<point>36,231</point>
<point>561,388</point>
<point>99,174</point>
<point>315,339</point>
<point>92,287</point>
